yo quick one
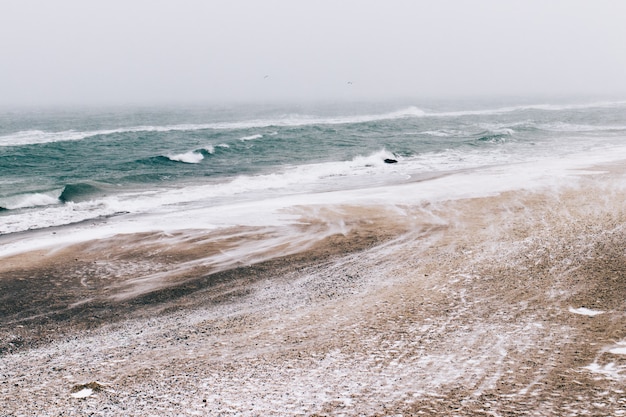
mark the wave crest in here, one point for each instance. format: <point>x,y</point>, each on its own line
<point>79,192</point>
<point>251,137</point>
<point>29,200</point>
<point>192,157</point>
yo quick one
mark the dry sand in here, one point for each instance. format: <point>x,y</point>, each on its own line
<point>500,306</point>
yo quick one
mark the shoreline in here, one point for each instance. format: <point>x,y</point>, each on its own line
<point>461,307</point>
<point>425,188</point>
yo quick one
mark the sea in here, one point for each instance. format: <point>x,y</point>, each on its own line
<point>68,166</point>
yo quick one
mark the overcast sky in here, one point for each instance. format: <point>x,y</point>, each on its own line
<point>147,51</point>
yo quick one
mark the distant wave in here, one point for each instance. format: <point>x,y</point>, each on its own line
<point>507,128</point>
<point>442,133</point>
<point>511,109</point>
<point>492,137</point>
<point>31,137</point>
<point>251,137</point>
<point>34,137</point>
<point>568,127</point>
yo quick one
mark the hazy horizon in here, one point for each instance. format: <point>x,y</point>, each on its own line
<point>158,53</point>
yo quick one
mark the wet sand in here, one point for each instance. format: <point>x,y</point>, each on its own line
<point>512,304</point>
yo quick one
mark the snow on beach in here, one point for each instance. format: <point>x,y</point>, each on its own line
<point>439,297</point>
<point>585,311</point>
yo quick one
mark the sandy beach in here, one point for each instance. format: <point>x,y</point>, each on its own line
<point>506,304</point>
<point>313,209</point>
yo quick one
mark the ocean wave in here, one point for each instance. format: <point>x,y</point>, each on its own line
<point>492,137</point>
<point>89,201</point>
<point>31,137</point>
<point>28,200</point>
<point>568,127</point>
<point>34,137</point>
<point>442,133</point>
<point>497,131</point>
<point>511,109</point>
<point>71,193</point>
<point>251,137</point>
<point>559,126</point>
<point>79,192</point>
<point>191,157</point>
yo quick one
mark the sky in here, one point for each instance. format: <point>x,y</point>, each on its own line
<point>193,51</point>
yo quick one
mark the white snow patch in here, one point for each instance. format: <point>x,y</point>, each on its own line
<point>585,311</point>
<point>619,349</point>
<point>610,370</point>
<point>83,393</point>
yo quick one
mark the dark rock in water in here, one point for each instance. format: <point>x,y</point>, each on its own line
<point>391,161</point>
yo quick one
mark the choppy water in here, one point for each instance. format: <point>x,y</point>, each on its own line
<point>60,167</point>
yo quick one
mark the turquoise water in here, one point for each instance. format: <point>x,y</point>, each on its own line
<point>60,167</point>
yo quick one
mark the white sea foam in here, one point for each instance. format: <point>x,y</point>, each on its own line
<point>443,133</point>
<point>543,107</point>
<point>293,179</point>
<point>30,137</point>
<point>37,136</point>
<point>192,157</point>
<point>210,149</point>
<point>30,200</point>
<point>258,200</point>
<point>568,127</point>
<point>250,137</point>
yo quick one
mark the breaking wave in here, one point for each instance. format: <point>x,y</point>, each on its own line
<point>79,192</point>
<point>192,157</point>
<point>251,137</point>
<point>28,200</point>
<point>71,193</point>
<point>31,137</point>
